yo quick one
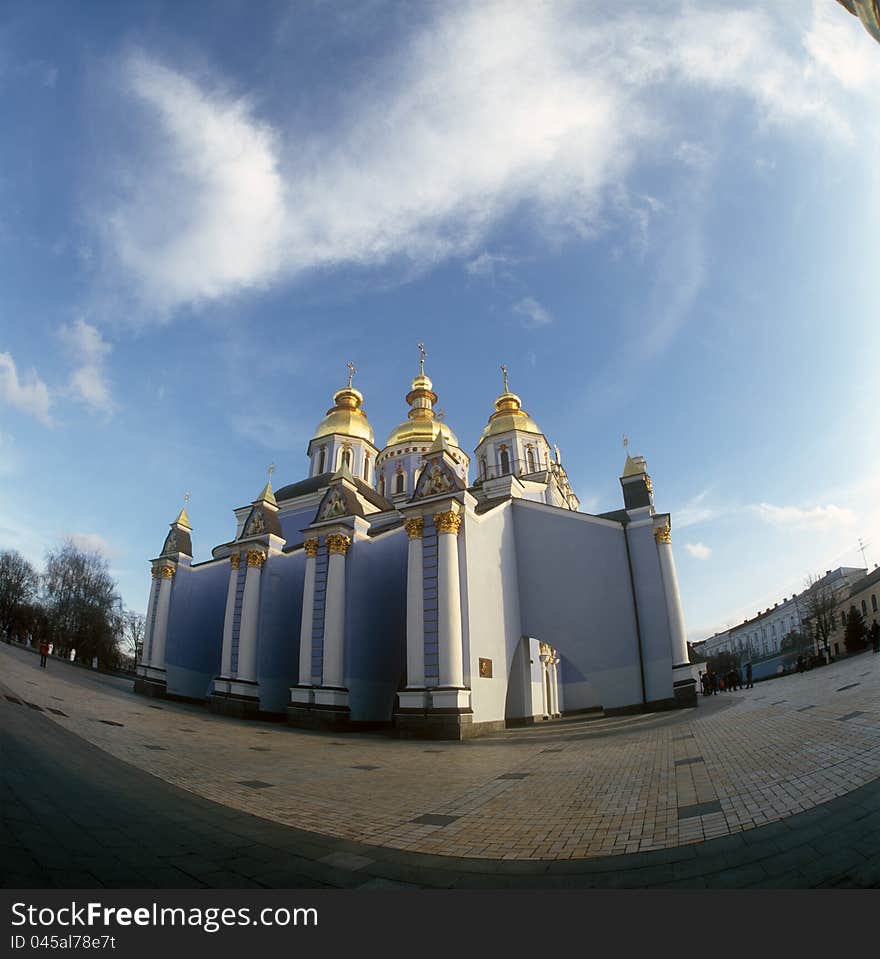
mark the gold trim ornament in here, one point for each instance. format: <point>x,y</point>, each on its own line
<point>663,534</point>
<point>448,522</point>
<point>311,548</point>
<point>235,560</point>
<point>154,572</point>
<point>166,572</point>
<point>255,558</point>
<point>414,527</point>
<point>338,543</point>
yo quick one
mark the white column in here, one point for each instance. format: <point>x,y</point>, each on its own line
<point>449,600</point>
<point>148,633</point>
<point>308,614</point>
<point>163,608</point>
<point>226,658</point>
<point>415,606</point>
<point>673,599</point>
<point>250,617</point>
<point>554,688</point>
<point>334,612</point>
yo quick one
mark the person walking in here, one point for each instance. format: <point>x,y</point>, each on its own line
<point>749,676</point>
<point>44,652</point>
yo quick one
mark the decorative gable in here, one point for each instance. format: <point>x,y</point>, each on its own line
<point>437,478</point>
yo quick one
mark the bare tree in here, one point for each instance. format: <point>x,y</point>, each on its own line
<point>133,626</point>
<point>19,582</point>
<point>819,605</point>
<point>84,608</point>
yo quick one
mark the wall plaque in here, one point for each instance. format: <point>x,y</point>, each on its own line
<point>486,668</point>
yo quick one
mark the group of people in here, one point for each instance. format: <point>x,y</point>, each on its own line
<point>713,683</point>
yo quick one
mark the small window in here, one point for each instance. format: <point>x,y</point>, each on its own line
<point>483,467</point>
<point>367,468</point>
<point>864,608</point>
<point>382,485</point>
<point>322,459</point>
<point>398,483</point>
<point>505,462</point>
<point>530,456</point>
<point>346,459</point>
<point>874,602</point>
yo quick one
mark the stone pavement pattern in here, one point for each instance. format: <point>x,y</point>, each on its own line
<point>573,791</point>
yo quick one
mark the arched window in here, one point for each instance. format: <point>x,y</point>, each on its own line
<point>346,458</point>
<point>483,467</point>
<point>864,608</point>
<point>382,485</point>
<point>322,459</point>
<point>398,483</point>
<point>530,456</point>
<point>367,468</point>
<point>874,602</point>
<point>505,462</point>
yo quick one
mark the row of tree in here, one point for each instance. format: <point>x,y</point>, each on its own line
<point>73,604</point>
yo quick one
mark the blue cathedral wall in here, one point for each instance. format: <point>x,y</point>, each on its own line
<point>574,593</point>
<point>375,617</point>
<point>293,524</point>
<point>195,628</point>
<point>281,590</point>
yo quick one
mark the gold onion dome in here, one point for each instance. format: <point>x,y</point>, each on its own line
<point>422,425</point>
<point>509,415</point>
<point>346,416</point>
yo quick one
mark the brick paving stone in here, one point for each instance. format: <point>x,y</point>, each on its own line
<point>570,791</point>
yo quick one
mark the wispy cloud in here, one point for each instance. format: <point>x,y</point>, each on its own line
<point>88,349</point>
<point>698,550</point>
<point>697,510</point>
<point>91,543</point>
<point>532,314</point>
<point>544,107</point>
<point>27,393</point>
<point>488,266</point>
<point>821,517</point>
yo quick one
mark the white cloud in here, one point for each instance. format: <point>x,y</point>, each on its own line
<point>203,216</point>
<point>698,550</point>
<point>841,46</point>
<point>492,107</point>
<point>88,350</point>
<point>91,543</point>
<point>487,266</point>
<point>821,517</point>
<point>692,154</point>
<point>697,510</point>
<point>27,393</point>
<point>532,314</point>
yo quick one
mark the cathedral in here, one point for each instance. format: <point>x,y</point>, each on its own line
<point>388,589</point>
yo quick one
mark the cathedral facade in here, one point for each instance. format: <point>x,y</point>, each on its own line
<point>388,589</point>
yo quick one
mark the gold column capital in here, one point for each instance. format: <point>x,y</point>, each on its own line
<point>256,558</point>
<point>448,522</point>
<point>338,543</point>
<point>154,572</point>
<point>166,572</point>
<point>311,548</point>
<point>414,527</point>
<point>235,560</point>
<point>663,534</point>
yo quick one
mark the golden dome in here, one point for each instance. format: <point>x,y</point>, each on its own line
<point>422,425</point>
<point>509,415</point>
<point>421,430</point>
<point>347,417</point>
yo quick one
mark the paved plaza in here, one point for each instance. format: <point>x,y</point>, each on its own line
<point>777,785</point>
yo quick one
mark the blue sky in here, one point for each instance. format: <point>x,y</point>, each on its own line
<point>662,218</point>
